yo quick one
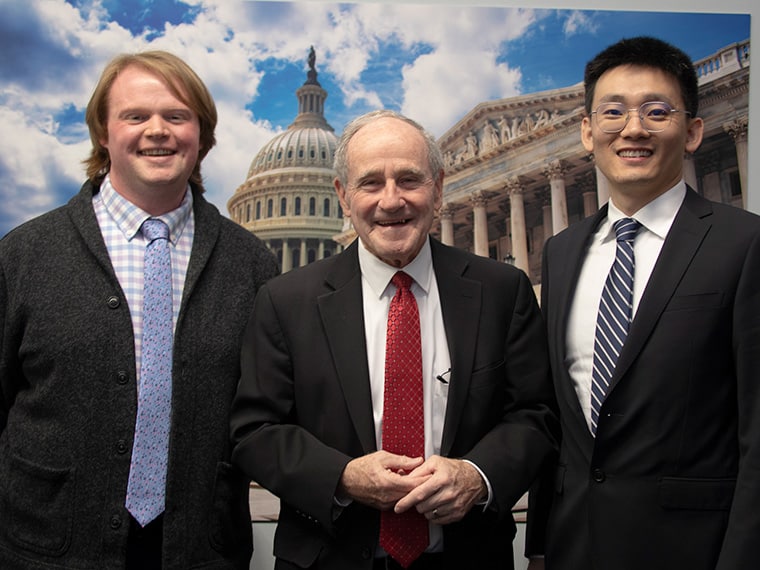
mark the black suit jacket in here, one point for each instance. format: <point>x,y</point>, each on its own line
<point>673,477</point>
<point>303,408</point>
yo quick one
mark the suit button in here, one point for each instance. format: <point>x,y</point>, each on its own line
<point>598,475</point>
<point>115,522</point>
<point>122,377</point>
<point>113,302</point>
<point>122,447</point>
<point>366,553</point>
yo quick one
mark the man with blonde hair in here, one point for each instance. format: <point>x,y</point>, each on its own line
<point>119,346</point>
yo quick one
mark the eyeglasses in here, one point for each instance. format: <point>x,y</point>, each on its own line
<point>655,116</point>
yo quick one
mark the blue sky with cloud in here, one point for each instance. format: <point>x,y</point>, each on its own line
<point>432,62</point>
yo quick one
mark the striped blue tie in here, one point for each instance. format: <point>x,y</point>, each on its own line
<point>147,474</point>
<point>615,309</point>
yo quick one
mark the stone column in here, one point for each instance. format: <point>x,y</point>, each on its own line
<point>304,254</point>
<point>590,206</point>
<point>547,216</point>
<point>587,185</point>
<point>555,172</point>
<point>479,224</point>
<point>287,258</point>
<point>508,246</point>
<point>321,250</point>
<point>710,166</point>
<point>447,224</point>
<point>602,187</point>
<point>546,211</point>
<point>519,229</point>
<point>738,131</point>
<point>690,172</point>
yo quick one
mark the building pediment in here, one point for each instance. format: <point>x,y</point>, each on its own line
<point>496,126</point>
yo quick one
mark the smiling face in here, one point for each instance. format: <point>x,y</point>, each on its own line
<point>153,141</point>
<point>391,194</point>
<point>640,165</point>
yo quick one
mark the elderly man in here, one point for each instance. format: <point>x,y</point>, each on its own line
<point>396,397</point>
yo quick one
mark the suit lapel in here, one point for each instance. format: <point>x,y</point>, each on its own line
<point>460,306</point>
<point>207,228</point>
<point>342,316</point>
<point>689,229</point>
<point>83,217</point>
<point>568,267</point>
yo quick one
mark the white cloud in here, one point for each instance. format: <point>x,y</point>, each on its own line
<point>441,87</point>
<point>436,80</point>
<point>461,68</point>
<point>579,22</point>
<point>226,166</point>
<point>39,165</point>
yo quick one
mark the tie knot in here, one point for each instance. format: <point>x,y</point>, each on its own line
<point>402,280</point>
<point>154,229</point>
<point>626,229</point>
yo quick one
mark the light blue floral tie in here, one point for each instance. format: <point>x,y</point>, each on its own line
<point>147,474</point>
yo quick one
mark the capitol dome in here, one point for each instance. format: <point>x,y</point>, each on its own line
<point>288,199</point>
<point>298,147</point>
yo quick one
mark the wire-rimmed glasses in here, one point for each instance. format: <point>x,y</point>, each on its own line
<point>655,116</point>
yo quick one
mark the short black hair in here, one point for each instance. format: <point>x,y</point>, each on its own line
<point>649,52</point>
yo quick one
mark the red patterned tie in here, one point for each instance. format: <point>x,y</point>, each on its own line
<point>404,536</point>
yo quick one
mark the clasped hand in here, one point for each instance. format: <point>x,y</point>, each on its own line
<point>442,489</point>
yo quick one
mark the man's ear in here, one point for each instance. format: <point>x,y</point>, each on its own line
<point>694,133</point>
<point>438,189</point>
<point>587,137</point>
<point>343,198</point>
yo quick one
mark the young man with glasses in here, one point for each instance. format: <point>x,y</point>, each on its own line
<point>652,309</point>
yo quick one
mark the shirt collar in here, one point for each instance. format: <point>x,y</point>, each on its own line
<point>657,216</point>
<point>129,218</point>
<point>379,274</point>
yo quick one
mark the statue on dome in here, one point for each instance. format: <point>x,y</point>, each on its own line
<point>311,76</point>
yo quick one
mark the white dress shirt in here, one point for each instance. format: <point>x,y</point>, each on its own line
<point>377,292</point>
<point>656,218</point>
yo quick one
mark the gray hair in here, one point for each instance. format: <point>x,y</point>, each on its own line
<point>340,164</point>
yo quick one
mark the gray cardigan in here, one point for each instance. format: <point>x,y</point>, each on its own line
<point>68,395</point>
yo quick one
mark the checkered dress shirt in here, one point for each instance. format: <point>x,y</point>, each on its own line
<point>120,222</point>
